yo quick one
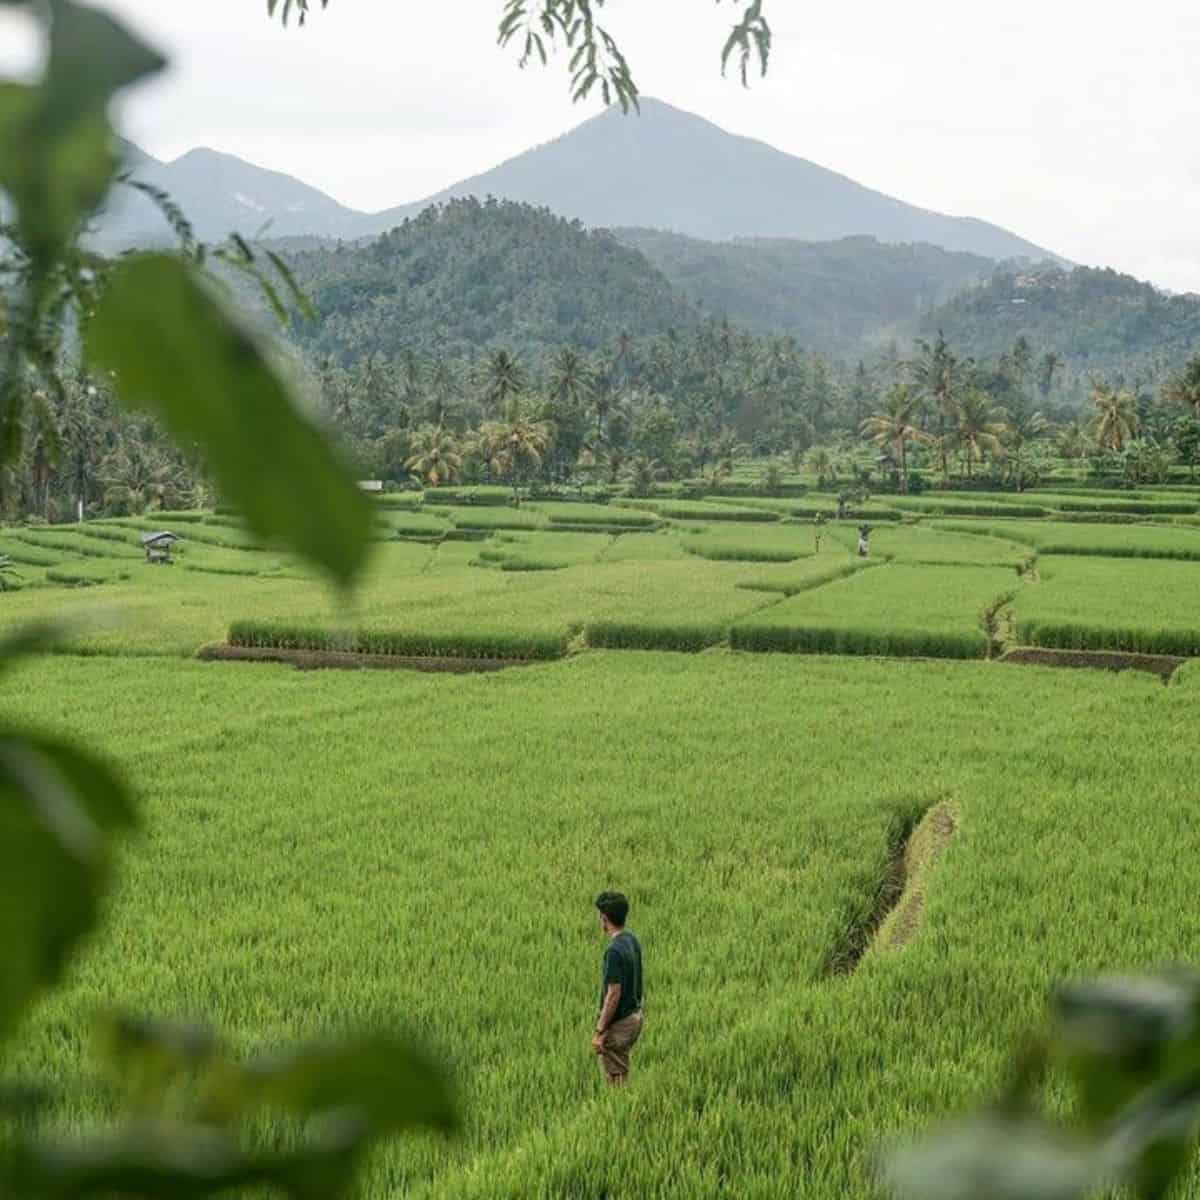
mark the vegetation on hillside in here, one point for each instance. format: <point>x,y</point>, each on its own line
<point>471,275</point>
<point>839,297</point>
<point>1097,321</point>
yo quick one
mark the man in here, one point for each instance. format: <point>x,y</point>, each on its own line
<point>619,1024</point>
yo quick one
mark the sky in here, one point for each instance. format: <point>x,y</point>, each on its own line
<point>1073,124</point>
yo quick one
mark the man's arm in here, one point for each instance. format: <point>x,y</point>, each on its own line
<point>612,997</point>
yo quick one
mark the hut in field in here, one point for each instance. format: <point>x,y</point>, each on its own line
<point>158,547</point>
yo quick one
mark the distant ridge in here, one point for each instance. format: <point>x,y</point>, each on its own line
<point>665,169</point>
<point>671,170</point>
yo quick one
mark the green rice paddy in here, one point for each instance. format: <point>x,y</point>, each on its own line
<point>737,742</point>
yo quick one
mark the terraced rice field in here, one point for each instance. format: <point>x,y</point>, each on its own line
<point>332,849</point>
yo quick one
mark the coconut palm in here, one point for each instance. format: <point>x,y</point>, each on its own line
<point>936,373</point>
<point>894,427</point>
<point>1073,440</point>
<point>503,378</point>
<point>1116,421</point>
<point>1023,426</point>
<point>435,455</point>
<point>821,461</point>
<point>1184,388</point>
<point>978,427</point>
<point>137,476</point>
<point>572,378</point>
<point>516,446</point>
<point>643,473</point>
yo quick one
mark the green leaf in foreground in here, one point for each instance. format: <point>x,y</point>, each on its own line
<point>386,1081</point>
<point>177,354</point>
<point>995,1158</point>
<point>58,806</point>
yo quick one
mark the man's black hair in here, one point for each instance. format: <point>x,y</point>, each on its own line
<point>614,906</point>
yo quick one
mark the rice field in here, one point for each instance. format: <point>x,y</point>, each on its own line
<point>1082,603</point>
<point>336,849</point>
<point>1118,541</point>
<point>891,609</point>
<point>718,720</point>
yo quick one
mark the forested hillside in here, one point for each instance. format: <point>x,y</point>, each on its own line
<point>467,276</point>
<point>837,297</point>
<point>1094,320</point>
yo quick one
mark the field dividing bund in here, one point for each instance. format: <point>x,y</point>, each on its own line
<point>417,851</point>
<point>893,609</point>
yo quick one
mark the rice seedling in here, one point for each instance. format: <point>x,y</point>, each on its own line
<point>891,609</point>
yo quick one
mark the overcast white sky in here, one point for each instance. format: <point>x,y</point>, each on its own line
<point>1073,123</point>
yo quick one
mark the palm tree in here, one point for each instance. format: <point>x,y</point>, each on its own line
<point>1048,366</point>
<point>1073,441</point>
<point>1116,420</point>
<point>643,473</point>
<point>443,385</point>
<point>516,446</point>
<point>503,378</point>
<point>1184,388</point>
<point>894,428</point>
<point>977,430</point>
<point>822,463</point>
<point>136,476</point>
<point>435,455</point>
<point>1022,426</point>
<point>935,372</point>
<point>572,378</point>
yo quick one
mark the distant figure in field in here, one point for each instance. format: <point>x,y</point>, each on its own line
<point>619,1024</point>
<point>864,541</point>
<point>819,529</point>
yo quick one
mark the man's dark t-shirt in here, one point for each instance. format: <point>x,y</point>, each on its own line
<point>623,965</point>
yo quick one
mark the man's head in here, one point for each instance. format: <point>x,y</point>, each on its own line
<point>613,909</point>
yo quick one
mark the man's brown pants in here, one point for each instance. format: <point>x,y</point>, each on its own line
<point>619,1039</point>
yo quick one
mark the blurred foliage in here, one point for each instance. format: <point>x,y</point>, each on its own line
<point>1129,1049</point>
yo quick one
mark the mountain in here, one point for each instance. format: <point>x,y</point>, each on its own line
<point>218,193</point>
<point>835,297</point>
<point>471,275</point>
<point>665,169</point>
<point>1094,320</point>
<point>668,169</point>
